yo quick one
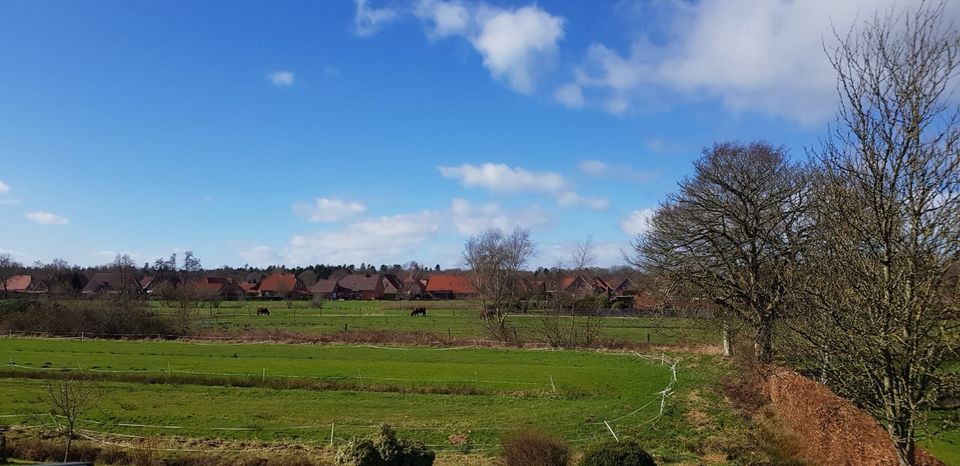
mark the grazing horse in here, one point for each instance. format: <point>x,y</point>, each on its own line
<point>420,311</point>
<point>262,311</point>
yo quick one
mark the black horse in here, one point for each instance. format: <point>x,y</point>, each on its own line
<point>420,311</point>
<point>262,311</point>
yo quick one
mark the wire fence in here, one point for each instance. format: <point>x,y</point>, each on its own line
<point>603,428</point>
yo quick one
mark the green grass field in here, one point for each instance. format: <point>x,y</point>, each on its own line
<point>447,319</point>
<point>516,390</point>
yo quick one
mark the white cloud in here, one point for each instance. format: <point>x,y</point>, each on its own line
<point>17,255</point>
<point>46,218</point>
<point>599,169</point>
<point>516,44</point>
<point>572,199</point>
<point>448,17</point>
<point>261,256</point>
<point>469,219</point>
<point>367,21</point>
<point>387,238</point>
<point>4,188</point>
<point>593,167</point>
<point>751,55</point>
<point>281,78</point>
<point>570,94</point>
<point>606,254</point>
<point>501,178</point>
<point>638,222</point>
<point>328,210</point>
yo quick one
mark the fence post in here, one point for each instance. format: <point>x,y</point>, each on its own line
<point>552,385</point>
<point>332,424</point>
<point>611,431</point>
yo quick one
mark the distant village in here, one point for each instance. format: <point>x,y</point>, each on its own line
<point>341,284</point>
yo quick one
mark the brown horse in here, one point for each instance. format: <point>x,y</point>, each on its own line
<point>262,311</point>
<point>420,311</point>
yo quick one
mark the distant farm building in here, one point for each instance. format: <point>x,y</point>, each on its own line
<point>25,284</point>
<point>328,289</point>
<point>282,285</point>
<point>112,283</point>
<point>450,286</point>
<point>217,287</point>
<point>579,285</point>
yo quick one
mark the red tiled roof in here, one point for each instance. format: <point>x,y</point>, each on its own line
<point>626,284</point>
<point>644,301</point>
<point>598,282</point>
<point>361,282</point>
<point>279,282</point>
<point>450,283</point>
<point>111,281</point>
<point>207,286</point>
<point>324,286</point>
<point>19,283</point>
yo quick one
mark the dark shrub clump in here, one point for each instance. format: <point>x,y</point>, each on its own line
<point>102,318</point>
<point>627,453</point>
<point>535,448</point>
<point>384,449</point>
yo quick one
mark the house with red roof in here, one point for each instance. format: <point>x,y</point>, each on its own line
<point>25,284</point>
<point>249,289</point>
<point>328,289</point>
<point>112,283</point>
<point>217,287</point>
<point>366,286</point>
<point>450,286</point>
<point>579,285</point>
<point>282,285</point>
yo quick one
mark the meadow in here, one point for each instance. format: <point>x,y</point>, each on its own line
<point>489,392</point>
<point>459,395</point>
<point>450,320</point>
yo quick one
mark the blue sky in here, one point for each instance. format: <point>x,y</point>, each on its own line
<point>344,131</point>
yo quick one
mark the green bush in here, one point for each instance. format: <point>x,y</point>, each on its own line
<point>384,449</point>
<point>535,448</point>
<point>627,453</point>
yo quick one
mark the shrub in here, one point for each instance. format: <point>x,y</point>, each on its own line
<point>359,452</point>
<point>109,318</point>
<point>384,449</point>
<point>627,453</point>
<point>535,448</point>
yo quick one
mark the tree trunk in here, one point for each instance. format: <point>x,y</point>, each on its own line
<point>763,341</point>
<point>66,452</point>
<point>903,443</point>
<point>726,339</point>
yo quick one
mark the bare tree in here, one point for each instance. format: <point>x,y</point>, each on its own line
<point>69,400</point>
<point>564,322</point>
<point>308,277</point>
<point>495,260</point>
<point>124,266</point>
<point>729,236</point>
<point>192,268</point>
<point>584,254</point>
<point>8,268</point>
<point>881,316</point>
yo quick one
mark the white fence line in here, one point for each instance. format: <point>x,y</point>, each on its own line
<point>605,425</point>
